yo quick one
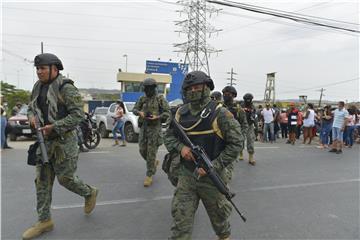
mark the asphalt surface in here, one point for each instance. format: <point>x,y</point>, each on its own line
<point>294,192</point>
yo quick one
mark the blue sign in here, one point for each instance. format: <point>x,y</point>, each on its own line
<point>177,72</point>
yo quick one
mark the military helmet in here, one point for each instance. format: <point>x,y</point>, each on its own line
<point>248,96</point>
<point>48,59</point>
<point>230,89</point>
<point>149,82</point>
<point>195,78</point>
<point>216,95</point>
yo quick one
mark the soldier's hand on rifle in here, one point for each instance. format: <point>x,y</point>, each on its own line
<point>47,129</point>
<point>153,117</point>
<point>32,121</point>
<point>187,154</point>
<point>201,172</point>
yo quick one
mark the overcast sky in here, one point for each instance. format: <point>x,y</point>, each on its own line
<point>92,37</point>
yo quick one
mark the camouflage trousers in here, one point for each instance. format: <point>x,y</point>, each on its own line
<point>149,141</point>
<point>250,139</point>
<point>63,166</point>
<point>188,193</point>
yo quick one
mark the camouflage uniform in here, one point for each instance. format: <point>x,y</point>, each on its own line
<point>240,115</point>
<point>250,133</point>
<point>150,137</point>
<point>62,97</point>
<point>190,190</point>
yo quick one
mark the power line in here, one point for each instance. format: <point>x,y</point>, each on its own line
<point>277,13</point>
<point>325,85</point>
<point>294,13</point>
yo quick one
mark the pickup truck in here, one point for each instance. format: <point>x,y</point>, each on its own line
<point>104,122</point>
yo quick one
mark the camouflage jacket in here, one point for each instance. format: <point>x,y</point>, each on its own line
<point>239,115</point>
<point>62,93</point>
<point>231,134</point>
<point>156,105</point>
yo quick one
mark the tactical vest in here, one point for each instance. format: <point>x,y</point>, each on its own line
<point>202,130</point>
<point>56,104</point>
<point>250,113</point>
<point>156,109</point>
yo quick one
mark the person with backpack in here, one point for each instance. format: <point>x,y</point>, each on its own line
<point>57,105</point>
<point>152,109</point>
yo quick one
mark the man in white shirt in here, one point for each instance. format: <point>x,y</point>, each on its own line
<point>339,123</point>
<point>268,114</point>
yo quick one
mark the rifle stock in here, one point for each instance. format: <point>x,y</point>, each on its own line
<point>203,161</point>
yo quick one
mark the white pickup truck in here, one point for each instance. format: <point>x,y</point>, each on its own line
<point>104,122</point>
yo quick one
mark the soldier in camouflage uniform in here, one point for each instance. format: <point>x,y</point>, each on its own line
<point>216,96</point>
<point>251,118</point>
<point>57,104</point>
<point>213,127</point>
<point>229,94</point>
<point>152,109</point>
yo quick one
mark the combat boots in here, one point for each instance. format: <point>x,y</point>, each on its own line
<point>90,201</point>
<point>38,229</point>
<point>241,156</point>
<point>251,159</point>
<point>147,181</point>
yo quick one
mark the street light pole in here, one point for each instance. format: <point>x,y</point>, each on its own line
<point>126,61</point>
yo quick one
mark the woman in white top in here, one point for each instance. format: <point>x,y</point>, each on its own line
<point>309,123</point>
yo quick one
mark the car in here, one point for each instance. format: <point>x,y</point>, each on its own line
<point>99,111</point>
<point>104,122</point>
<point>19,124</point>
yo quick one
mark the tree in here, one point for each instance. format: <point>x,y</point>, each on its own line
<point>13,95</point>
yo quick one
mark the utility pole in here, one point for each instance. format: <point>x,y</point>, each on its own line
<point>198,30</point>
<point>269,94</point>
<point>232,79</point>
<point>321,95</point>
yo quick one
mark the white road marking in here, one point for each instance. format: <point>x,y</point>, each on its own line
<point>113,202</point>
<point>139,200</point>
<point>302,185</point>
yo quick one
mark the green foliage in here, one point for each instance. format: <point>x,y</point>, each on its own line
<point>12,95</point>
<point>105,96</point>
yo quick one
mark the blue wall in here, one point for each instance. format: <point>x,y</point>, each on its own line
<point>177,72</point>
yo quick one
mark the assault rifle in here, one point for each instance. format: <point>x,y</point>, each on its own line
<point>203,161</point>
<point>40,140</point>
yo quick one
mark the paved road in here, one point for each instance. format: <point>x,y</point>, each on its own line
<point>294,192</point>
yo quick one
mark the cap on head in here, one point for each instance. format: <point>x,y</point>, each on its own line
<point>230,89</point>
<point>292,104</point>
<point>195,78</point>
<point>48,59</point>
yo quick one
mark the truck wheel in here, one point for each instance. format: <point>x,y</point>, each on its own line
<point>103,132</point>
<point>130,134</point>
<point>12,137</point>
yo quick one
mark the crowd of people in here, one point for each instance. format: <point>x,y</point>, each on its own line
<point>335,127</point>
